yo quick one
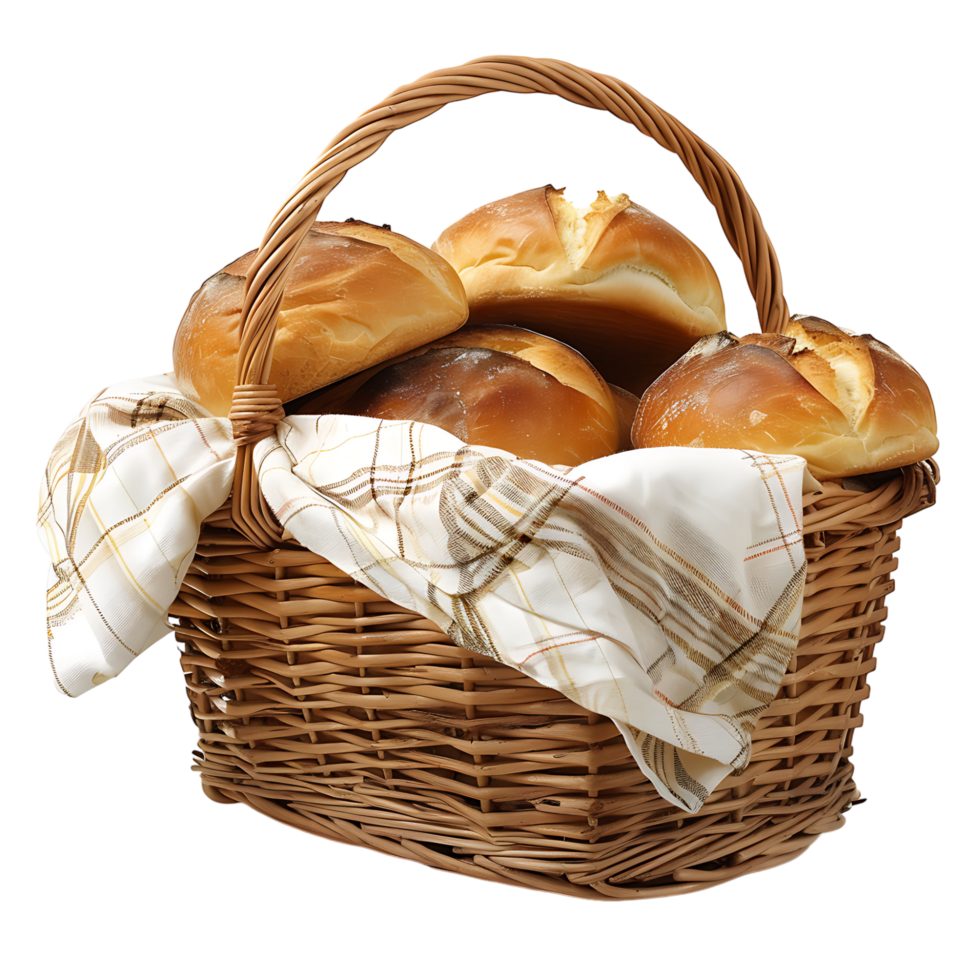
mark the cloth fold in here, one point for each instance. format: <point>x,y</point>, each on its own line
<point>661,587</point>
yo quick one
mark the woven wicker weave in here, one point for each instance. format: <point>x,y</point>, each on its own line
<point>325,706</point>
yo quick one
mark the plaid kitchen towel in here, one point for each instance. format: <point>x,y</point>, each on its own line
<point>661,588</point>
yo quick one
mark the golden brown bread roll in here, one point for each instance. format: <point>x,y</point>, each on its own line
<point>496,386</point>
<point>847,404</point>
<point>357,295</point>
<point>614,281</point>
<point>626,405</point>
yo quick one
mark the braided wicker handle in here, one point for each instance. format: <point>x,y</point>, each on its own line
<point>256,406</point>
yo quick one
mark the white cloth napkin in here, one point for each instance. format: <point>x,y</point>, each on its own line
<point>661,588</point>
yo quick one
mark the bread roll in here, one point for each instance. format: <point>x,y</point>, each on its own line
<point>357,295</point>
<point>496,386</point>
<point>847,404</point>
<point>614,281</point>
<point>626,405</point>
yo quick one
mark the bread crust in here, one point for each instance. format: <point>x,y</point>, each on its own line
<point>357,295</point>
<point>550,405</point>
<point>615,282</point>
<point>847,404</point>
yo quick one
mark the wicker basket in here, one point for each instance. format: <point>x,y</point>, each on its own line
<point>331,709</point>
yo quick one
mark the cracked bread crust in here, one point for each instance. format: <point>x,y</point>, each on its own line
<point>357,295</point>
<point>847,404</point>
<point>614,281</point>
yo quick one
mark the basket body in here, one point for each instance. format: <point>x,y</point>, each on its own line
<point>327,707</point>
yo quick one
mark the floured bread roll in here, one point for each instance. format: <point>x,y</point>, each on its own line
<point>613,280</point>
<point>357,295</point>
<point>847,404</point>
<point>496,386</point>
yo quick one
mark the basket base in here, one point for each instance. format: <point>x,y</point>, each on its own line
<point>689,881</point>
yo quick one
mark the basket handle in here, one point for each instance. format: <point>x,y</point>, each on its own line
<point>256,405</point>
